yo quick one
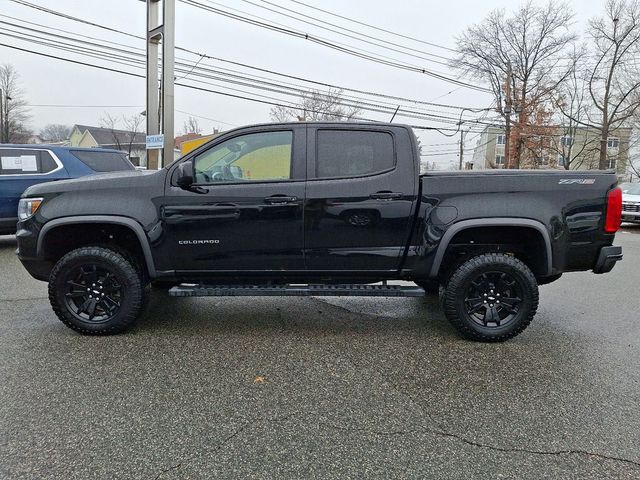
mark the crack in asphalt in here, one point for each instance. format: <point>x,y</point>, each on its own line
<point>442,432</point>
<point>484,445</point>
<point>437,432</point>
<point>224,441</point>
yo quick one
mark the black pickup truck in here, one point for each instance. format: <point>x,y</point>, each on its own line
<point>317,209</point>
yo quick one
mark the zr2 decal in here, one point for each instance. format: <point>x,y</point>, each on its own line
<point>577,181</point>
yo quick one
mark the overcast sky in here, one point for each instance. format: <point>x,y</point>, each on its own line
<point>53,82</point>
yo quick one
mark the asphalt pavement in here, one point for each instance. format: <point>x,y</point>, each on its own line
<point>323,388</point>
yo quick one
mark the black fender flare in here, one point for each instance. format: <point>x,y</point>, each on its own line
<point>491,222</point>
<point>117,220</point>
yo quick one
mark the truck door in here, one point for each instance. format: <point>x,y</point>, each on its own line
<point>248,214</point>
<point>361,191</point>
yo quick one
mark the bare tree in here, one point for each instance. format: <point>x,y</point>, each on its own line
<point>55,132</point>
<point>123,139</point>
<point>576,143</point>
<point>614,77</point>
<point>317,105</point>
<point>110,123</point>
<point>520,57</point>
<point>132,126</point>
<point>15,112</point>
<point>191,125</point>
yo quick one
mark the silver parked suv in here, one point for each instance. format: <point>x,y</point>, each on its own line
<point>631,202</point>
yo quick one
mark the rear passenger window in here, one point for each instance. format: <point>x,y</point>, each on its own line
<point>46,163</point>
<point>101,161</point>
<point>25,162</point>
<point>352,153</point>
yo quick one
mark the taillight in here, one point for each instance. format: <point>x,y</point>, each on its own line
<point>614,211</point>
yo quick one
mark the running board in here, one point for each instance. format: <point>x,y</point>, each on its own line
<point>295,290</point>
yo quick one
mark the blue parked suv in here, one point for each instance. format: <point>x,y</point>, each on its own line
<point>24,165</point>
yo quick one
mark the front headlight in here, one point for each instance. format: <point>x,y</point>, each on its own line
<point>27,207</point>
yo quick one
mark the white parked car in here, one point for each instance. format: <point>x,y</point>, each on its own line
<point>631,202</point>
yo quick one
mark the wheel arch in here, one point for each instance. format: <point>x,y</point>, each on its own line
<point>127,222</point>
<point>463,225</point>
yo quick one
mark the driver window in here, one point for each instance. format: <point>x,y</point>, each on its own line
<point>255,157</point>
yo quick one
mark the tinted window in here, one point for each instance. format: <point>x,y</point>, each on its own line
<point>100,161</point>
<point>353,153</point>
<point>46,163</point>
<point>25,162</point>
<point>250,158</point>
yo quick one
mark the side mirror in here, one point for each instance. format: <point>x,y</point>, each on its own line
<point>185,175</point>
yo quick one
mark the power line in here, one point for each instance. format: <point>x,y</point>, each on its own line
<point>332,45</point>
<point>131,74</point>
<point>447,59</point>
<point>60,105</point>
<point>373,27</point>
<point>223,60</point>
<point>124,59</point>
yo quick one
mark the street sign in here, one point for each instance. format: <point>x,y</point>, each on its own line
<point>155,142</point>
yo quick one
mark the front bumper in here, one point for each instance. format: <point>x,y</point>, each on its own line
<point>27,238</point>
<point>607,259</point>
<point>630,213</point>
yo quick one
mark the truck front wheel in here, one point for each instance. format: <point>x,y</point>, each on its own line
<point>95,291</point>
<point>491,297</point>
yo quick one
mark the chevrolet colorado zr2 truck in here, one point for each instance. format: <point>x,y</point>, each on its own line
<point>317,209</point>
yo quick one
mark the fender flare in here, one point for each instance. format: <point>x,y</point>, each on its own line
<point>491,222</point>
<point>117,220</point>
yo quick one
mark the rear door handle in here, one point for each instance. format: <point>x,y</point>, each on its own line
<point>386,196</point>
<point>276,199</point>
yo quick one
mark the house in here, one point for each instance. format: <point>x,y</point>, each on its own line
<point>556,146</point>
<point>180,139</point>
<point>133,143</point>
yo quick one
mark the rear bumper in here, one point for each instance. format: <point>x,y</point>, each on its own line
<point>607,259</point>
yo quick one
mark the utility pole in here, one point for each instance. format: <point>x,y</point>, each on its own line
<point>1,117</point>
<point>160,102</point>
<point>507,112</point>
<point>461,148</point>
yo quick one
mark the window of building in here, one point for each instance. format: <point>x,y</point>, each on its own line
<point>613,161</point>
<point>255,157</point>
<point>566,141</point>
<point>349,153</point>
<point>613,142</point>
<point>501,139</point>
<point>543,160</point>
<point>499,161</point>
<point>562,160</point>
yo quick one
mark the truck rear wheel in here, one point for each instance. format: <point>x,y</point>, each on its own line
<point>491,297</point>
<point>96,291</point>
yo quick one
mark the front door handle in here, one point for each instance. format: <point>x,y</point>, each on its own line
<point>277,199</point>
<point>386,196</point>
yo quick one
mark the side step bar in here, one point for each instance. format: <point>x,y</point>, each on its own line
<point>295,290</point>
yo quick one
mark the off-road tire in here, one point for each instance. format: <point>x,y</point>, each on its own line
<point>128,276</point>
<point>456,308</point>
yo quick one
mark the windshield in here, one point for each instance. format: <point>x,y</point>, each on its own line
<point>630,188</point>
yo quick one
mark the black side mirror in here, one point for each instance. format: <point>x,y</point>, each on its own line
<point>186,179</point>
<point>185,175</point>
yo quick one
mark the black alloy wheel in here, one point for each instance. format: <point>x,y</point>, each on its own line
<point>491,297</point>
<point>96,290</point>
<point>94,293</point>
